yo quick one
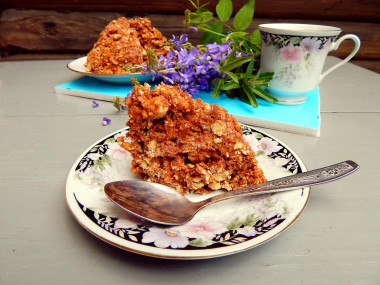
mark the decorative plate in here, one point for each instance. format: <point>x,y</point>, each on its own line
<point>220,229</point>
<point>79,65</point>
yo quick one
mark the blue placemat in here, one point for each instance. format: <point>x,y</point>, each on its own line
<point>304,118</point>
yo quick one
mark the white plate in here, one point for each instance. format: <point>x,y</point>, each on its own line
<point>221,229</point>
<point>79,65</point>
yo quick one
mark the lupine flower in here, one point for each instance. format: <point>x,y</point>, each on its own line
<point>95,104</point>
<point>192,68</point>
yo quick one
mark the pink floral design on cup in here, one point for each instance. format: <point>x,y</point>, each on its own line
<point>296,54</point>
<point>327,44</point>
<point>291,53</point>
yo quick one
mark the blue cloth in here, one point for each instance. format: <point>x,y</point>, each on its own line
<point>302,118</point>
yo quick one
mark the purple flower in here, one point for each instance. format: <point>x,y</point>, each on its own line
<point>177,41</point>
<point>213,48</point>
<point>106,121</point>
<point>310,44</point>
<point>225,47</point>
<point>192,68</point>
<point>95,104</point>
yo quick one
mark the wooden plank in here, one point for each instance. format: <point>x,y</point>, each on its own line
<point>46,31</point>
<point>26,31</point>
<point>334,10</point>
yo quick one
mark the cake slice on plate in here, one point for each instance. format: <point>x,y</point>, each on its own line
<point>187,144</point>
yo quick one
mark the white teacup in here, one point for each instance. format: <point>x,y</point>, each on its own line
<point>296,54</point>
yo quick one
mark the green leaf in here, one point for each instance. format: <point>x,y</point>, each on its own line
<point>107,159</point>
<point>237,35</point>
<point>199,243</point>
<point>286,210</point>
<point>230,56</point>
<point>99,164</point>
<point>210,37</point>
<point>251,220</point>
<point>255,37</point>
<point>249,70</point>
<point>239,93</point>
<point>295,41</point>
<point>235,62</point>
<point>201,16</point>
<point>266,76</point>
<point>215,93</point>
<point>262,93</point>
<point>251,46</point>
<point>224,10</point>
<point>265,95</point>
<point>110,140</point>
<point>244,16</point>
<point>234,224</point>
<point>251,96</point>
<point>233,76</point>
<point>229,86</point>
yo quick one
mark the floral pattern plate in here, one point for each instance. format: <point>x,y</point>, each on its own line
<point>220,229</point>
<point>79,65</point>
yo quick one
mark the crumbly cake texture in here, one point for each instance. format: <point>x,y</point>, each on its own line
<point>187,144</point>
<point>124,43</point>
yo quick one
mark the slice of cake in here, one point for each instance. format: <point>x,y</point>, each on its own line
<point>187,144</point>
<point>123,44</point>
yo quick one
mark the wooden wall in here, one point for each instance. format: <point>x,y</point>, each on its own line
<point>68,29</point>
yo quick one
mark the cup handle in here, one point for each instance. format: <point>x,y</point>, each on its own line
<point>335,46</point>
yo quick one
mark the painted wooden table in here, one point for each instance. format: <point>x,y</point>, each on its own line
<point>336,240</point>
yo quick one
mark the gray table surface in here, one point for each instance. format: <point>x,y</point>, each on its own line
<point>335,241</point>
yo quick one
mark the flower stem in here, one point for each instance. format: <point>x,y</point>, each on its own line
<point>212,32</point>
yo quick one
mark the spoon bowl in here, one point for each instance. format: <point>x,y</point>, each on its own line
<point>160,204</point>
<point>151,201</point>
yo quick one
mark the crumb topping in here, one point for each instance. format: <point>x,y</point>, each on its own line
<point>123,44</point>
<point>190,145</point>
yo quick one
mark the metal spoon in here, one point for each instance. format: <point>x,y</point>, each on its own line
<point>163,205</point>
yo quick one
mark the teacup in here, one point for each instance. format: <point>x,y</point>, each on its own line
<point>296,54</point>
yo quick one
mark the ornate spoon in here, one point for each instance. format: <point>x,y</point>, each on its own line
<point>163,205</point>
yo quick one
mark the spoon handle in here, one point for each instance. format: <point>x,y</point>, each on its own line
<point>296,181</point>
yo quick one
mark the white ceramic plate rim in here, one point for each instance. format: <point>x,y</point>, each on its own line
<point>166,253</point>
<point>79,65</point>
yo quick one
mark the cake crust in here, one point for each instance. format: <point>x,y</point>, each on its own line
<point>190,145</point>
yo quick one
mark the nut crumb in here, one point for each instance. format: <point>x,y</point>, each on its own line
<point>176,140</point>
